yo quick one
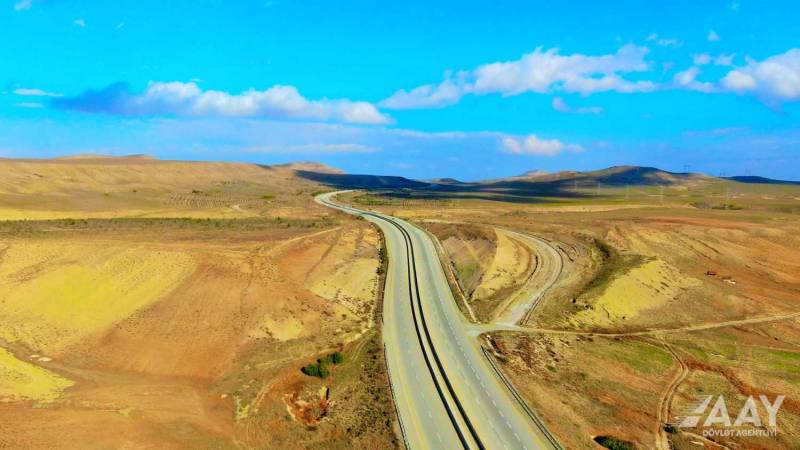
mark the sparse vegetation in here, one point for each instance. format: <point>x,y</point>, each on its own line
<point>320,368</point>
<point>613,443</point>
<point>609,263</point>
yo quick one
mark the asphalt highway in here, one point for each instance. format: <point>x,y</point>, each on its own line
<point>446,393</point>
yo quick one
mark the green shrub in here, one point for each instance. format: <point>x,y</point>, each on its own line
<point>320,369</point>
<point>612,443</point>
<point>323,369</point>
<point>311,370</point>
<point>337,358</point>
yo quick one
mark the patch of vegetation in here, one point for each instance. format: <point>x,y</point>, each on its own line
<point>371,200</point>
<point>466,272</point>
<point>255,223</point>
<point>267,197</point>
<point>728,206</point>
<point>723,206</point>
<point>638,355</point>
<point>320,368</point>
<point>612,443</point>
<point>611,264</point>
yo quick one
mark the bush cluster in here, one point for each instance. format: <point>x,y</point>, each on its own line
<point>320,368</point>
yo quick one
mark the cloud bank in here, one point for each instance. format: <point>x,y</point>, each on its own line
<point>539,71</point>
<point>535,146</point>
<point>188,99</point>
<point>776,78</point>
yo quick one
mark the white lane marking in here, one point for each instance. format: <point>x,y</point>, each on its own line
<point>439,436</point>
<point>517,437</point>
<point>509,425</point>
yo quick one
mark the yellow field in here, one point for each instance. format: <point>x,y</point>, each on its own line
<point>23,380</point>
<point>55,293</point>
<point>648,286</point>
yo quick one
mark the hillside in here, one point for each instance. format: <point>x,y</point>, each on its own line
<point>97,186</point>
<point>616,175</point>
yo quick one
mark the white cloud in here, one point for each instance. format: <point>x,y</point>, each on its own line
<point>687,79</point>
<point>80,22</point>
<point>724,59</point>
<point>539,71</point>
<point>532,145</point>
<point>23,5</point>
<point>664,42</point>
<point>774,79</point>
<point>188,99</point>
<point>719,60</point>
<point>30,105</point>
<point>701,59</point>
<point>713,36</point>
<point>737,80</point>
<point>34,92</point>
<point>560,105</point>
<point>446,93</point>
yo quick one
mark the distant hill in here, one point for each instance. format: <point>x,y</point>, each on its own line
<point>535,173</point>
<point>347,181</point>
<point>104,186</point>
<point>445,181</point>
<point>615,176</point>
<point>760,180</point>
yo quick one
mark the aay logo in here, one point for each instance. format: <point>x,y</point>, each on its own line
<point>747,423</point>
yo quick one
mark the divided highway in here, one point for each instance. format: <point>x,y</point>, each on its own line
<point>446,393</point>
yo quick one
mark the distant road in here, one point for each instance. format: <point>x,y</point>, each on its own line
<point>446,393</point>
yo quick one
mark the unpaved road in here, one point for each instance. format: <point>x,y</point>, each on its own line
<point>519,305</point>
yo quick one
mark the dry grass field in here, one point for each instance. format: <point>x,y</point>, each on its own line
<point>132,319</point>
<point>666,294</point>
<point>139,186</point>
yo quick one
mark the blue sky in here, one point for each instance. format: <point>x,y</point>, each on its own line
<point>469,89</point>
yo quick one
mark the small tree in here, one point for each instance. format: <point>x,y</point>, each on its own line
<point>337,358</point>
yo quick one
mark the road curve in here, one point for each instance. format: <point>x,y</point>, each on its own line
<point>521,304</point>
<point>446,394</point>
